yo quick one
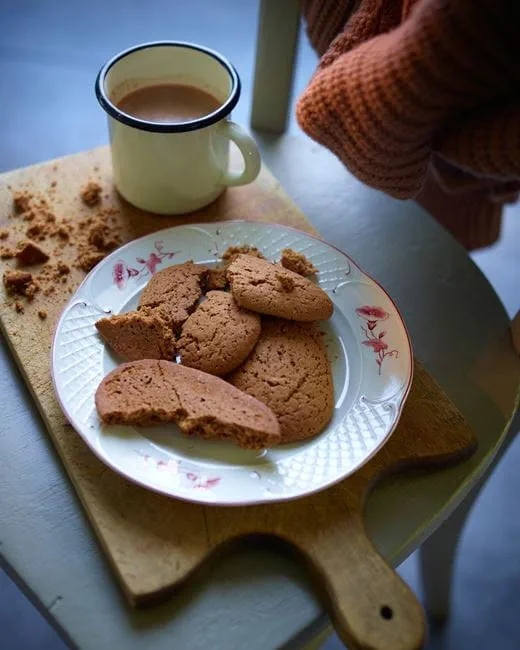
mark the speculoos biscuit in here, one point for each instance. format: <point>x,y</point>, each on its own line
<point>289,371</point>
<point>219,335</point>
<point>175,291</point>
<point>267,288</point>
<point>150,392</point>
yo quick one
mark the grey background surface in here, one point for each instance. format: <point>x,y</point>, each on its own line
<point>49,55</point>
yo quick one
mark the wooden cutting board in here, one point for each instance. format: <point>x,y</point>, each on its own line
<point>154,542</point>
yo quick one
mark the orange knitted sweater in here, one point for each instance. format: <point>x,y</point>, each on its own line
<point>421,99</point>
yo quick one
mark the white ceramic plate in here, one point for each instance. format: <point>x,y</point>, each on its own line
<point>367,341</point>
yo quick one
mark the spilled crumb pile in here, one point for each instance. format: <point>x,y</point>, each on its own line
<point>45,239</point>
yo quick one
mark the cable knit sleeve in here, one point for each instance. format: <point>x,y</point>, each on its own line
<point>380,106</point>
<point>486,144</point>
<point>325,19</point>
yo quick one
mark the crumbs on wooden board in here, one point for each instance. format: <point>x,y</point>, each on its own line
<point>28,253</point>
<point>47,236</point>
<point>20,283</point>
<point>91,194</point>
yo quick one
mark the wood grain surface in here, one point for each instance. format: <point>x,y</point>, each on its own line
<point>154,542</point>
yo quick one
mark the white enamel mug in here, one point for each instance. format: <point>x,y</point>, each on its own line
<point>173,168</point>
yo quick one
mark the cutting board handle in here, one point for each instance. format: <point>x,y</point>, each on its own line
<point>369,604</point>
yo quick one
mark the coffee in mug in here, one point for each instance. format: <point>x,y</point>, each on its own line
<point>168,103</point>
<point>169,106</point>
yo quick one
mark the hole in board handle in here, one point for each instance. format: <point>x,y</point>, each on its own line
<point>386,612</point>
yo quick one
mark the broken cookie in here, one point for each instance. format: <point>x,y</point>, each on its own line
<point>138,335</point>
<point>150,392</point>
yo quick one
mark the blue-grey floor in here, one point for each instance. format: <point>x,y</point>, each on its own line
<point>49,55</point>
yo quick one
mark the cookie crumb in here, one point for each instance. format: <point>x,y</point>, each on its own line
<point>216,279</point>
<point>62,268</point>
<point>88,260</point>
<point>22,201</point>
<point>19,307</point>
<point>4,233</point>
<point>99,236</point>
<point>6,253</point>
<point>29,253</point>
<point>91,194</point>
<point>42,314</point>
<point>297,262</point>
<point>286,282</point>
<point>63,233</point>
<point>232,252</point>
<point>54,183</point>
<point>17,282</point>
<point>36,231</point>
<point>31,290</point>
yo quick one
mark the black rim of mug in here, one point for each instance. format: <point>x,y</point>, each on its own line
<point>168,127</point>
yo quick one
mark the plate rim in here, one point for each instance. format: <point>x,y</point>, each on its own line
<point>74,299</point>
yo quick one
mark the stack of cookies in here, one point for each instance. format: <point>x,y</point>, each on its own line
<point>232,353</point>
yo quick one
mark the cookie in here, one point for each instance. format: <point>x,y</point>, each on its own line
<point>174,292</point>
<point>271,289</point>
<point>138,335</point>
<point>219,335</point>
<point>297,262</point>
<point>289,371</point>
<point>149,392</point>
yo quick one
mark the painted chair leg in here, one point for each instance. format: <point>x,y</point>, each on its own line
<point>437,558</point>
<point>277,39</point>
<point>437,554</point>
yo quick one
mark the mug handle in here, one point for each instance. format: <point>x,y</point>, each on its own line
<point>249,151</point>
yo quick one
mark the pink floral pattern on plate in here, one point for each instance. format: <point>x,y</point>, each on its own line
<point>202,483</point>
<point>121,271</point>
<point>374,339</point>
<point>173,466</point>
